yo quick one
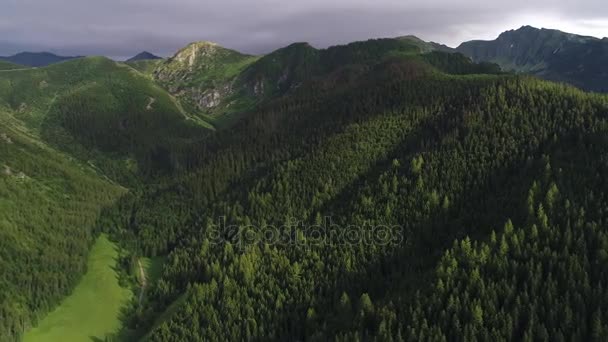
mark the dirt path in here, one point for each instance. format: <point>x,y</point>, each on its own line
<point>143,280</point>
<point>150,103</point>
<point>20,69</point>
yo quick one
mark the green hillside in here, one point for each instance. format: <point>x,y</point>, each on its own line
<point>4,65</point>
<point>146,66</point>
<point>69,132</point>
<point>439,162</point>
<point>415,158</point>
<point>100,111</point>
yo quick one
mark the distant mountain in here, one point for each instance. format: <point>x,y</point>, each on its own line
<point>550,54</point>
<point>143,56</point>
<point>36,59</point>
<point>145,62</point>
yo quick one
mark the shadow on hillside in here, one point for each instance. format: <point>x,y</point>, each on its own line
<point>473,213</point>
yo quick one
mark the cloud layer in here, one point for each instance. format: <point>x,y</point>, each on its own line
<point>121,28</point>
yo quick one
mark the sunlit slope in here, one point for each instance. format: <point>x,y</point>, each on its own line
<point>92,107</point>
<point>93,310</point>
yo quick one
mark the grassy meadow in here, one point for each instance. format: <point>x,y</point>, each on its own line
<point>93,310</point>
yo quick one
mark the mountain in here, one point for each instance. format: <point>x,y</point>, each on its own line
<point>549,54</point>
<point>221,84</point>
<point>36,59</point>
<point>384,190</point>
<point>375,201</point>
<point>143,56</point>
<point>201,75</point>
<point>145,62</point>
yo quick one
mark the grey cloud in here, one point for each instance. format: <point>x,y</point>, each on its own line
<point>125,27</point>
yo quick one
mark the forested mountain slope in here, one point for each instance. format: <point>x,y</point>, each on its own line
<point>69,133</point>
<point>418,162</point>
<point>382,190</point>
<point>48,208</point>
<point>549,54</point>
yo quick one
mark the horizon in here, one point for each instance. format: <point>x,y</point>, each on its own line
<point>121,28</point>
<point>125,57</point>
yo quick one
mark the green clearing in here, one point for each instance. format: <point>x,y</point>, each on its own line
<point>94,308</point>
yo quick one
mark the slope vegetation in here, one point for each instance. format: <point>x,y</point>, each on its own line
<point>404,159</point>
<point>382,190</point>
<point>486,187</point>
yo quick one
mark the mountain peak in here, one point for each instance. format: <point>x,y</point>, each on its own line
<point>410,37</point>
<point>206,42</point>
<point>202,52</point>
<point>528,28</point>
<point>203,44</point>
<point>145,55</point>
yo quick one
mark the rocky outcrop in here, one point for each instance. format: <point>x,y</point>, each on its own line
<point>199,74</point>
<point>210,99</point>
<point>6,138</point>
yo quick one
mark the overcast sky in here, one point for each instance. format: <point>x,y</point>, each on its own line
<point>122,28</point>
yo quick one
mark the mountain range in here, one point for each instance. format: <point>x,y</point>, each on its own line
<point>382,190</point>
<point>549,54</point>
<point>35,59</point>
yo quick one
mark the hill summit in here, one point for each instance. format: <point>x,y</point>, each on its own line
<point>143,56</point>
